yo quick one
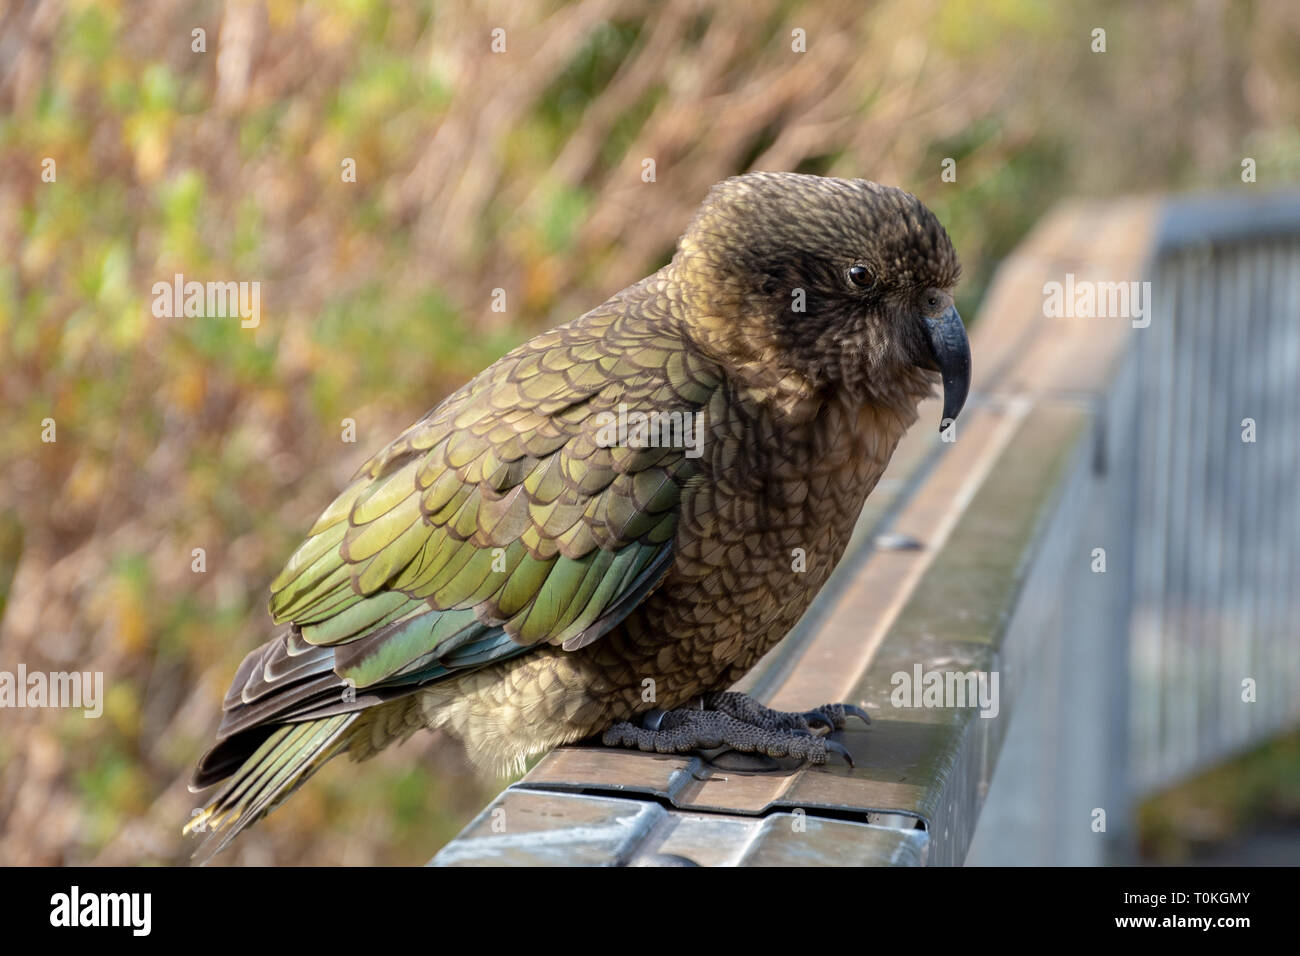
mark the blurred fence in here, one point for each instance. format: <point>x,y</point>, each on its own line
<point>1108,536</point>
<point>1185,651</point>
<point>1218,524</point>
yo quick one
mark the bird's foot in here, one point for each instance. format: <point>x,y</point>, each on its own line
<point>740,723</point>
<point>824,719</point>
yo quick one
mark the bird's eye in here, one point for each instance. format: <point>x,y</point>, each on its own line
<point>859,276</point>
<point>932,301</point>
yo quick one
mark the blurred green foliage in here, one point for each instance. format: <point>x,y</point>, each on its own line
<point>1257,790</point>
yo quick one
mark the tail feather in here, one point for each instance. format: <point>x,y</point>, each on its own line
<point>281,764</point>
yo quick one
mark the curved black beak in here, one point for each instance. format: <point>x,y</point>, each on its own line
<point>951,351</point>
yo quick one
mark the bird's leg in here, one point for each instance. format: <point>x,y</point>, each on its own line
<point>740,723</point>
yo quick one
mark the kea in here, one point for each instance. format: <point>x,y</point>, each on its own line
<point>596,535</point>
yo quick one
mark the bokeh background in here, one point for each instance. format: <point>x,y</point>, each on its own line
<point>475,170</point>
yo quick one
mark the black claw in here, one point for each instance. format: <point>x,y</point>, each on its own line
<point>833,747</point>
<point>653,719</point>
<point>858,712</point>
<point>820,718</point>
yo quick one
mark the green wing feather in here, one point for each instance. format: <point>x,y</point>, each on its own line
<point>498,522</point>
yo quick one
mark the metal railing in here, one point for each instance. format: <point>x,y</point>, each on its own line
<point>1098,538</point>
<point>1216,622</point>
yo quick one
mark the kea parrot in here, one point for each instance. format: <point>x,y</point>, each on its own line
<point>612,507</point>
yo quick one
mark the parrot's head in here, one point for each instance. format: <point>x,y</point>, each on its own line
<point>842,283</point>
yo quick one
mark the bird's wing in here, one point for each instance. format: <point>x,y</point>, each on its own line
<point>500,521</point>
